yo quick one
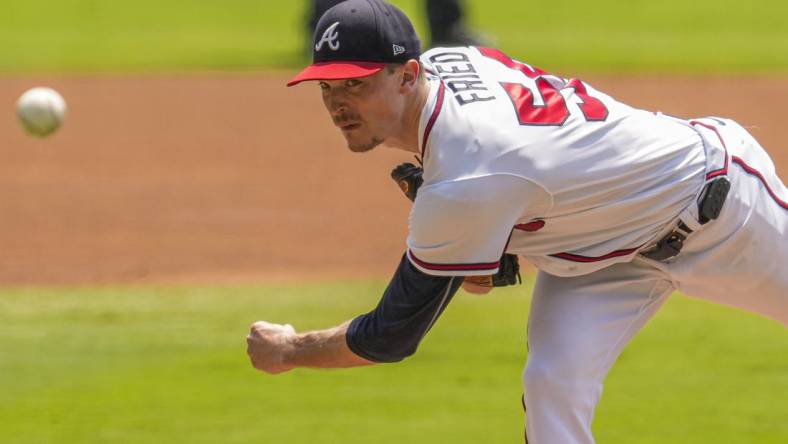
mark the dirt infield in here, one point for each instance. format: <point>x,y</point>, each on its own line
<point>215,178</point>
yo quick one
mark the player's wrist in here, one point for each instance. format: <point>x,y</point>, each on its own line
<point>288,351</point>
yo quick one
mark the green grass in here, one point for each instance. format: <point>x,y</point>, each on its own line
<point>704,36</point>
<point>168,364</point>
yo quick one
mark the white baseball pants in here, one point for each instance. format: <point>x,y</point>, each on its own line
<point>578,326</point>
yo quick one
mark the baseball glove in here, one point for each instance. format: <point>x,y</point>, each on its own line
<point>409,178</point>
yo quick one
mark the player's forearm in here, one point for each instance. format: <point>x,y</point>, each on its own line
<point>322,349</point>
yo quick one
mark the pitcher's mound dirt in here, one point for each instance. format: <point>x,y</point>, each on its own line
<point>215,178</point>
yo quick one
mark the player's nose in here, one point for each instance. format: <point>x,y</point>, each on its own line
<point>337,108</point>
<point>335,104</point>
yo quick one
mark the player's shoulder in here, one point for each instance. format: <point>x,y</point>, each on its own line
<point>457,60</point>
<point>501,187</point>
<point>445,54</point>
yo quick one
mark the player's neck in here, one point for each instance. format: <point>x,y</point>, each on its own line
<point>407,138</point>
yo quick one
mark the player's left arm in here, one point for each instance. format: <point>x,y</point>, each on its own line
<point>276,348</point>
<point>409,308</point>
<point>458,229</point>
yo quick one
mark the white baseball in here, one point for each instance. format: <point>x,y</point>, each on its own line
<point>41,111</point>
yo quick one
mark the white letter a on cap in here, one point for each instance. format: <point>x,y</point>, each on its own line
<point>331,37</point>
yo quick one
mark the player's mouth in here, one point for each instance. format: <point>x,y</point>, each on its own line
<point>349,126</point>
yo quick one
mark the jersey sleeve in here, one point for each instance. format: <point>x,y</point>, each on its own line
<point>410,306</point>
<point>461,228</point>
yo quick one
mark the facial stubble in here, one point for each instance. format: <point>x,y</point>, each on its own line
<point>365,147</point>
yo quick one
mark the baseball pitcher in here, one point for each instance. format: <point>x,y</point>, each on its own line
<point>617,207</point>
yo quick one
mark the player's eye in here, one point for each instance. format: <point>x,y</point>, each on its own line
<point>349,83</point>
<point>324,86</point>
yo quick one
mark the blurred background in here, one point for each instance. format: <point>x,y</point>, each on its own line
<point>190,193</point>
<point>603,36</point>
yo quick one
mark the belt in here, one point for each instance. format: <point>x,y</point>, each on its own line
<point>710,203</point>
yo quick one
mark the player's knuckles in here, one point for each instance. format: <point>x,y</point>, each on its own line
<point>259,334</point>
<point>252,344</point>
<point>259,325</point>
<point>262,328</point>
<point>254,340</point>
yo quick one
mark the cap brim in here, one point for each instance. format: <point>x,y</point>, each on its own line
<point>336,71</point>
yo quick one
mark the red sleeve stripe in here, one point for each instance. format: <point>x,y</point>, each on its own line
<point>724,169</point>
<point>433,117</point>
<point>753,172</point>
<point>579,258</point>
<point>454,267</point>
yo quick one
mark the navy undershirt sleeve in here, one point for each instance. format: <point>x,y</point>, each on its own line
<point>411,304</point>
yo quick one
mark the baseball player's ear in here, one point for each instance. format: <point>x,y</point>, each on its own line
<point>410,72</point>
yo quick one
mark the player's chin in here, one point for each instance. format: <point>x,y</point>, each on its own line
<point>362,146</point>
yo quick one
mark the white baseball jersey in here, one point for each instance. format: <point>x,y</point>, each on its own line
<point>529,163</point>
<point>520,161</point>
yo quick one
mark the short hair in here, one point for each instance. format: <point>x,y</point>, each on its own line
<point>391,67</point>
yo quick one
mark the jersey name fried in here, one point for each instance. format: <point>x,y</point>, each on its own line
<point>460,76</point>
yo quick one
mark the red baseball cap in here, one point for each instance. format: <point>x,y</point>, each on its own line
<point>357,38</point>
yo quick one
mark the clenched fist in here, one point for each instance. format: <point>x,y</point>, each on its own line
<point>267,345</point>
<point>472,287</point>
